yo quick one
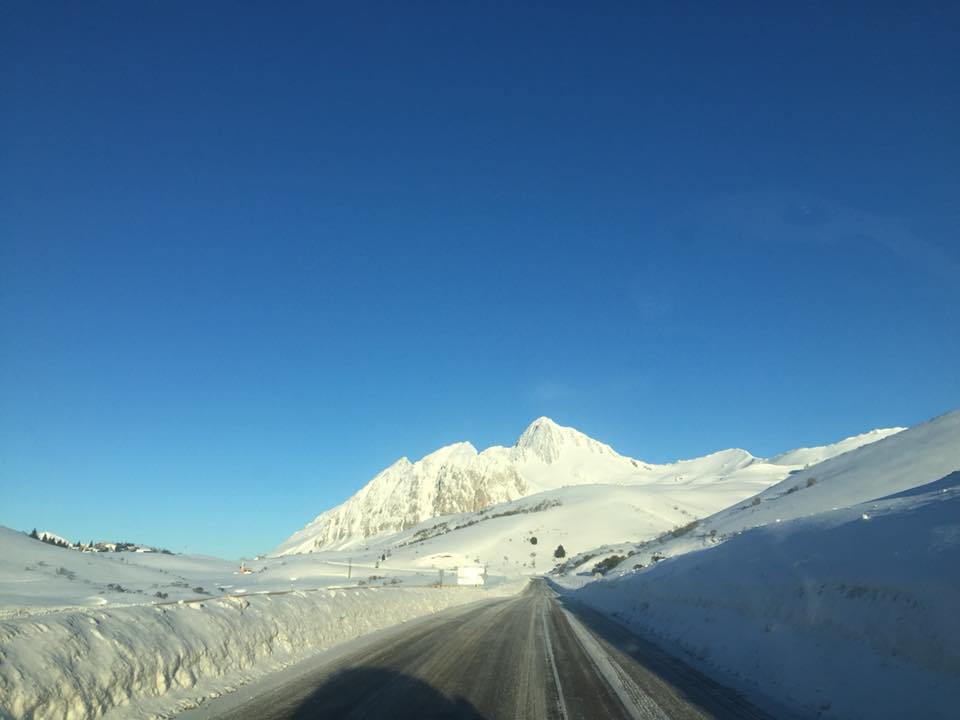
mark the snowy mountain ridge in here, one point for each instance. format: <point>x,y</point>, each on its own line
<point>547,456</point>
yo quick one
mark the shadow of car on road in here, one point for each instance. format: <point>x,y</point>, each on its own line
<point>381,693</point>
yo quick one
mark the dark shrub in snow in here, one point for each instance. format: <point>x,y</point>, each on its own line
<point>607,564</point>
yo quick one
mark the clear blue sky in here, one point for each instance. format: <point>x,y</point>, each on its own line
<point>250,256</point>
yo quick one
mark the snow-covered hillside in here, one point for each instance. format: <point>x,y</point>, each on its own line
<point>814,455</point>
<point>834,590</point>
<point>457,479</point>
<point>39,578</point>
<point>844,614</point>
<point>896,462</point>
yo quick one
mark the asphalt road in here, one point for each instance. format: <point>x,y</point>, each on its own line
<point>514,658</point>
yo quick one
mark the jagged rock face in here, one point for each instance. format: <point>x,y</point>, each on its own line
<point>547,441</point>
<point>469,489</point>
<point>390,507</point>
<point>453,479</point>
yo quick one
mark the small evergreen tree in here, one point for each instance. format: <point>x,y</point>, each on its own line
<point>559,552</point>
<point>34,535</point>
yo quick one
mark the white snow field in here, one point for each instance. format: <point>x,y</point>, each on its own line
<point>72,648</point>
<point>36,577</point>
<point>839,597</point>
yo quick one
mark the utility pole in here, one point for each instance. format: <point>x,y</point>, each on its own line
<point>349,568</point>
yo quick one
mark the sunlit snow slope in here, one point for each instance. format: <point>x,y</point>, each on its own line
<point>914,457</point>
<point>835,590</point>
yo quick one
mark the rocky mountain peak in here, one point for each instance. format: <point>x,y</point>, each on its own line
<point>547,440</point>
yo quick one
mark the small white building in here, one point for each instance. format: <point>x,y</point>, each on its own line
<point>471,575</point>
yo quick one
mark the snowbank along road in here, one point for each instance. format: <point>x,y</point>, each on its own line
<point>527,656</point>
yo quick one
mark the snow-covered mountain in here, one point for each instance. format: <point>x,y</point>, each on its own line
<point>458,479</point>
